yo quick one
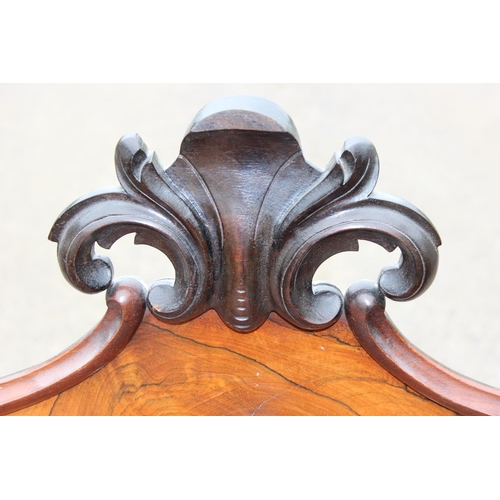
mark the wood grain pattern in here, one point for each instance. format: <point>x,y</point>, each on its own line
<point>246,221</point>
<point>126,306</point>
<point>204,368</point>
<point>366,315</point>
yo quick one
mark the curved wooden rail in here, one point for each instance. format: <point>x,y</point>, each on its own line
<point>365,312</point>
<point>126,305</point>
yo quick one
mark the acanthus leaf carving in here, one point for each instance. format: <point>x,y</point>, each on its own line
<point>246,221</point>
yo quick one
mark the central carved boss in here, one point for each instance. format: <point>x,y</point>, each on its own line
<point>246,221</point>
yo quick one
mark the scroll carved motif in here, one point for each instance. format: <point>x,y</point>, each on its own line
<point>246,221</point>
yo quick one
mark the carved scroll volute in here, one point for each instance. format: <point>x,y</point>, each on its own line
<point>246,221</point>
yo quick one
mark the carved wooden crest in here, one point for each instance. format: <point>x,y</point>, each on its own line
<point>246,221</point>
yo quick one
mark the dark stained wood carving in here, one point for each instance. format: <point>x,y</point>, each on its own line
<point>246,222</point>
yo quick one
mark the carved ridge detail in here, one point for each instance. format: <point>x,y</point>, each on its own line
<point>246,221</point>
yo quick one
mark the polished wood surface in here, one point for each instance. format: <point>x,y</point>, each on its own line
<point>126,306</point>
<point>204,368</point>
<point>365,306</point>
<point>246,221</point>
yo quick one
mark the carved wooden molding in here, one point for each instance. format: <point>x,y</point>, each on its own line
<point>246,222</point>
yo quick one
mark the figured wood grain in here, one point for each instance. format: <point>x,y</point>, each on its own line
<point>245,220</point>
<point>126,305</point>
<point>375,331</point>
<point>204,368</point>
